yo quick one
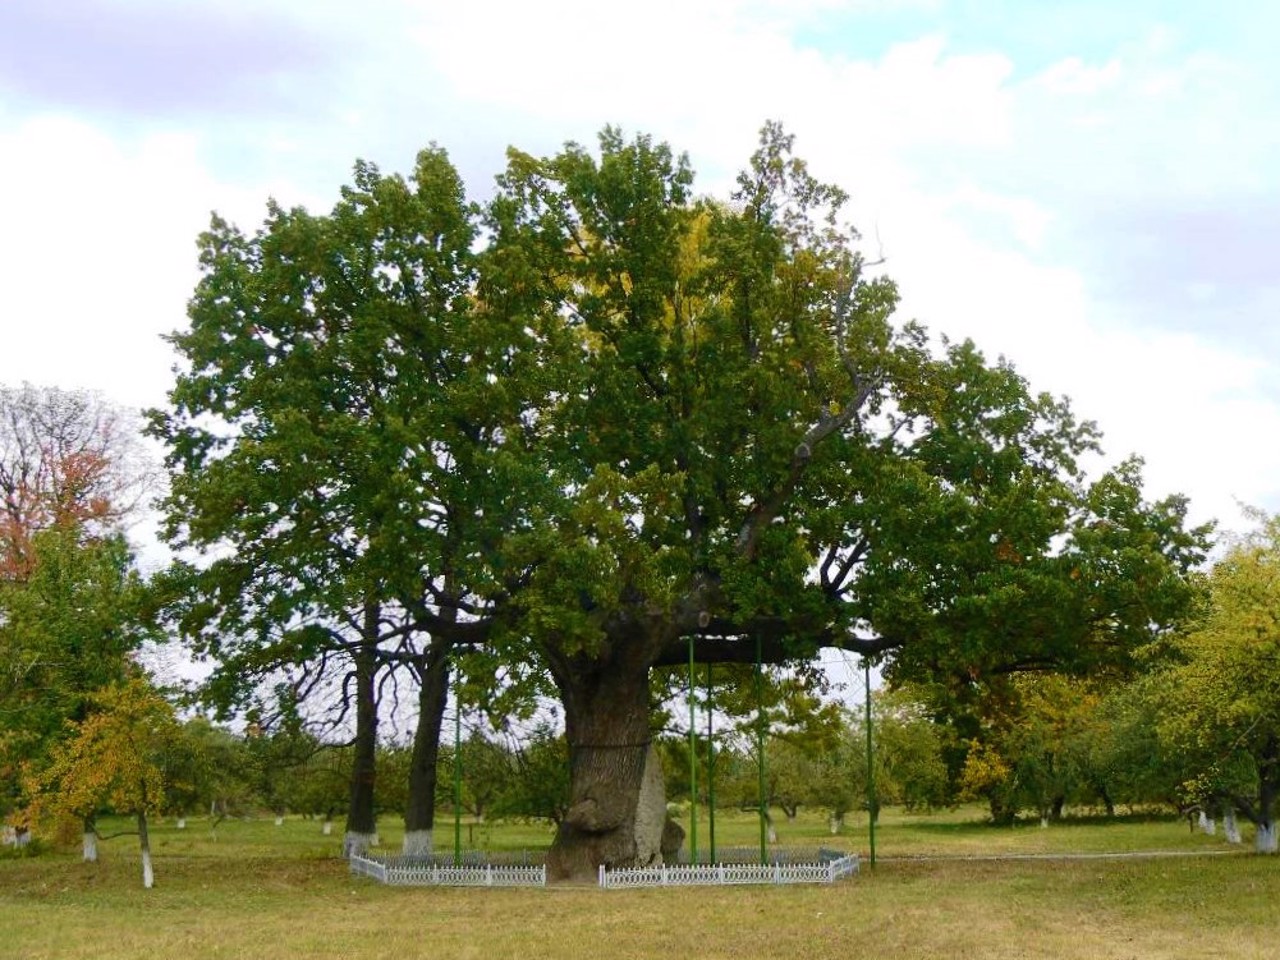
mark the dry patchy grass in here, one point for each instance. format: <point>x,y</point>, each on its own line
<point>263,892</point>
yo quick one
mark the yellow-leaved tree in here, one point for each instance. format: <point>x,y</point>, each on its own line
<point>113,758</point>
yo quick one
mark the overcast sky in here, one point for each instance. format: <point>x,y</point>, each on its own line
<point>1089,188</point>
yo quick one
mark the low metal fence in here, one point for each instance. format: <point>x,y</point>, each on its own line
<point>729,874</point>
<point>423,872</point>
<point>751,854</point>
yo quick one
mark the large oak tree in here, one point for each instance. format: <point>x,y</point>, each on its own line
<point>641,419</point>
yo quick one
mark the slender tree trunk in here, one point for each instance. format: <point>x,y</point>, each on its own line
<point>617,803</point>
<point>144,843</point>
<point>362,826</point>
<point>433,692</point>
<point>1230,828</point>
<point>89,840</point>
<point>1107,802</point>
<point>1265,841</point>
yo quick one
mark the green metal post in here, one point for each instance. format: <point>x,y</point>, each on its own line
<point>457,783</point>
<point>764,811</point>
<point>693,769</point>
<point>711,773</point>
<point>871,771</point>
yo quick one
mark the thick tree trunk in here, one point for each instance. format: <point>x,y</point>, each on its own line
<point>362,826</point>
<point>420,814</point>
<point>617,803</point>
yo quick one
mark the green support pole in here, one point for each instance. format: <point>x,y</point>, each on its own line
<point>711,774</point>
<point>871,771</point>
<point>764,812</point>
<point>693,769</point>
<point>457,782</point>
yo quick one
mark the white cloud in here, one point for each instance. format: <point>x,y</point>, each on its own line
<point>965,174</point>
<point>99,255</point>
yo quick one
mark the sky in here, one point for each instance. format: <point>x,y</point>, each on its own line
<point>1089,189</point>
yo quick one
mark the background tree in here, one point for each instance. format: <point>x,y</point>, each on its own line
<point>539,785</point>
<point>67,630</point>
<point>68,460</point>
<point>204,770</point>
<point>1029,754</point>
<point>1220,696</point>
<point>341,430</point>
<point>115,758</point>
<point>72,474</point>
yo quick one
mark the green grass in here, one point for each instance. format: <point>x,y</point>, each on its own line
<point>250,889</point>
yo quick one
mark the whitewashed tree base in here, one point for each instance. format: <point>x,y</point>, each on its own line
<point>182,823</point>
<point>356,844</point>
<point>326,828</point>
<point>148,875</point>
<point>417,843</point>
<point>89,847</point>
<point>279,821</point>
<point>1265,839</point>
<point>1230,828</point>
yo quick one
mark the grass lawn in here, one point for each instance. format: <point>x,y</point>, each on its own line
<point>251,890</point>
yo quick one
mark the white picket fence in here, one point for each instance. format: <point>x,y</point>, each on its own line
<point>728,874</point>
<point>403,871</point>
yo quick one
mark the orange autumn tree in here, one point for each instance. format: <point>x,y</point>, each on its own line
<point>72,473</point>
<point>114,758</point>
<point>68,460</point>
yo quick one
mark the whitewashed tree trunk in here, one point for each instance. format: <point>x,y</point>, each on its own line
<point>144,841</point>
<point>279,821</point>
<point>89,846</point>
<point>326,828</point>
<point>1206,824</point>
<point>182,823</point>
<point>1230,828</point>
<point>417,843</point>
<point>1044,823</point>
<point>772,834</point>
<point>1265,839</point>
<point>835,824</point>
<point>357,844</point>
